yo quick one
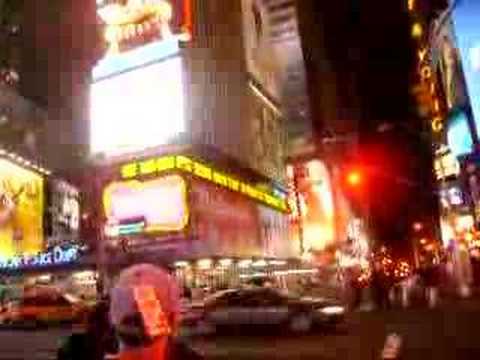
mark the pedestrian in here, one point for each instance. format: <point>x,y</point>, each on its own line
<point>145,309</point>
<point>380,286</point>
<point>431,281</point>
<point>96,341</point>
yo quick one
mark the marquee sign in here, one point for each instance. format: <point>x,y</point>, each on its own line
<point>427,78</point>
<point>185,164</point>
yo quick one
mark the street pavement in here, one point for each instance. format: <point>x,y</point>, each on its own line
<point>448,332</point>
<point>29,344</point>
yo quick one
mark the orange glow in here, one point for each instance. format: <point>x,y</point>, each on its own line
<point>354,178</point>
<point>469,237</point>
<point>423,241</point>
<point>411,5</point>
<point>417,30</point>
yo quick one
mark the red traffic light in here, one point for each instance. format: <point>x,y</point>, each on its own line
<point>354,178</point>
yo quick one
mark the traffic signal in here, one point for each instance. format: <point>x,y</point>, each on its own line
<point>354,178</point>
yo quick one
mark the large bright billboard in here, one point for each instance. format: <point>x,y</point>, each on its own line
<point>465,17</point>
<point>137,207</point>
<point>137,109</point>
<point>21,210</point>
<point>129,24</point>
<point>137,96</point>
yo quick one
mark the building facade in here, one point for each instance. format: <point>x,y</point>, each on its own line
<point>190,99</point>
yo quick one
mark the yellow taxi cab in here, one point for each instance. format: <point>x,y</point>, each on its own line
<point>44,308</point>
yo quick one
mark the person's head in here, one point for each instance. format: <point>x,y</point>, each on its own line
<point>144,306</point>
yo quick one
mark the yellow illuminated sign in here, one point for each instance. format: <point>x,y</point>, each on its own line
<point>427,78</point>
<point>202,171</point>
<point>132,206</point>
<point>21,210</point>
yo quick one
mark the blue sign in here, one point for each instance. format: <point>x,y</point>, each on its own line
<point>57,256</point>
<point>459,137</point>
<point>145,55</point>
<point>466,17</point>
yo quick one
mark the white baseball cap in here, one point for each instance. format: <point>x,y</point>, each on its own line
<point>148,293</point>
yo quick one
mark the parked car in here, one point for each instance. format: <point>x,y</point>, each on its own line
<point>264,307</point>
<point>44,309</point>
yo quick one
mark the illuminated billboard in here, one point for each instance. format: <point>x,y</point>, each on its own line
<point>316,213</point>
<point>465,18</point>
<point>137,109</point>
<point>143,207</point>
<point>133,23</point>
<point>158,165</point>
<point>137,95</point>
<point>21,210</point>
<point>459,137</point>
<point>64,215</point>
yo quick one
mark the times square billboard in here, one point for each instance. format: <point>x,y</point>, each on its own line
<point>200,212</point>
<point>137,90</point>
<point>39,218</point>
<point>465,17</point>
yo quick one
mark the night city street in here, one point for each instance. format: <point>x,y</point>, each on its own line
<point>239,179</point>
<point>445,333</point>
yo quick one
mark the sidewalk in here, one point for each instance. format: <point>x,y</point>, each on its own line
<point>446,332</point>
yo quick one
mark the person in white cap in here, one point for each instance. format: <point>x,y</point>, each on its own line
<point>144,311</point>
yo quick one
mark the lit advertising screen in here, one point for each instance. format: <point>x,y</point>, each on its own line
<point>21,210</point>
<point>136,97</point>
<point>64,216</point>
<point>458,134</point>
<point>138,207</point>
<point>129,24</point>
<point>137,109</point>
<point>315,212</point>
<point>465,17</point>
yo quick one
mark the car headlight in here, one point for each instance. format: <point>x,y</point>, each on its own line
<point>332,310</point>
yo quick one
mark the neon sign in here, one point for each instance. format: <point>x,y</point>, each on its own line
<point>428,80</point>
<point>202,171</point>
<point>57,256</point>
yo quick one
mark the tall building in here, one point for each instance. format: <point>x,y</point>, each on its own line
<point>179,114</point>
<point>21,120</point>
<point>187,95</point>
<point>360,64</point>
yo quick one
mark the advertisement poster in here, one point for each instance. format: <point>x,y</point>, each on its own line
<point>142,207</point>
<point>316,213</point>
<point>139,108</point>
<point>138,81</point>
<point>21,210</point>
<point>467,30</point>
<point>226,223</point>
<point>64,205</point>
<point>262,61</point>
<point>450,69</point>
<point>133,23</point>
